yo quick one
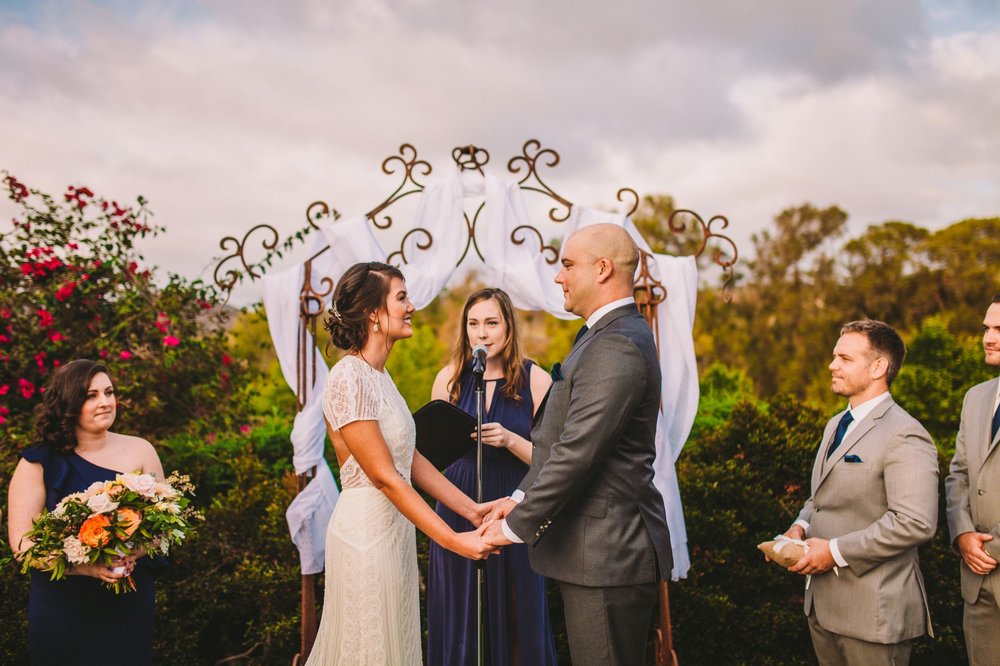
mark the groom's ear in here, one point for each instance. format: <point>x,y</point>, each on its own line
<point>604,270</point>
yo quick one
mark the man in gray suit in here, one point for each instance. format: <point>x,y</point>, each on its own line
<point>874,500</point>
<point>973,492</point>
<point>588,507</point>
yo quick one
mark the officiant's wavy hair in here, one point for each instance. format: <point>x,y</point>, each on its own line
<point>58,414</point>
<point>512,357</point>
<point>363,289</point>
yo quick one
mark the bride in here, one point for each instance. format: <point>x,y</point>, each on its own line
<point>371,612</point>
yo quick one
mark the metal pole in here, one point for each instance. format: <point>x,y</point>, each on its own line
<point>480,564</point>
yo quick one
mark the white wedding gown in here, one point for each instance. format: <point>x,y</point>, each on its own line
<point>371,611</point>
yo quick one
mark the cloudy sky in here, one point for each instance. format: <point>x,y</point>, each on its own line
<point>231,113</point>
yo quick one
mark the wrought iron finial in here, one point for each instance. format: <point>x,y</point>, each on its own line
<point>528,161</point>
<point>724,256</point>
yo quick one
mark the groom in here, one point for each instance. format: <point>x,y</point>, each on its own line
<point>588,508</point>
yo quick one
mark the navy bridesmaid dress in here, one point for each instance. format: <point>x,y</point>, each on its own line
<point>77,620</point>
<point>517,618</point>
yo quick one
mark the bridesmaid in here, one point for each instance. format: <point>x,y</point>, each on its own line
<point>517,618</point>
<point>75,447</point>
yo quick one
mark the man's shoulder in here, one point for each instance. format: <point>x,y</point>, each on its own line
<point>988,387</point>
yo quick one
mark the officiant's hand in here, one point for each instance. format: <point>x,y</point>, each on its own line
<point>493,534</point>
<point>818,558</point>
<point>496,435</point>
<point>472,546</point>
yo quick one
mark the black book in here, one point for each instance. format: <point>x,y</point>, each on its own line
<point>444,432</point>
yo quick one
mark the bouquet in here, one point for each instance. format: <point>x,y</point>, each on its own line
<point>135,513</point>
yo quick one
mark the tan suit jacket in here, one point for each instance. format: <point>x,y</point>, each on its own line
<point>879,507</point>
<point>973,484</point>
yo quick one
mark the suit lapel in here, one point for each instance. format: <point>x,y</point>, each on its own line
<point>985,419</point>
<point>596,329</point>
<point>818,467</point>
<point>857,433</point>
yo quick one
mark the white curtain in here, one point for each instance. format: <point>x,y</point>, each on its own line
<point>523,271</point>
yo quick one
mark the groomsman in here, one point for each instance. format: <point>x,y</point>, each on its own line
<point>874,500</point>
<point>973,492</point>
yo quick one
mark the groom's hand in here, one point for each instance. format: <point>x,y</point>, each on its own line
<point>501,508</point>
<point>493,534</point>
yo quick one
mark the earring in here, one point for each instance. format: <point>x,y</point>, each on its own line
<point>376,327</point>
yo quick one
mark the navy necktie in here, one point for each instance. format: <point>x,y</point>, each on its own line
<point>996,424</point>
<point>845,421</point>
<point>583,330</point>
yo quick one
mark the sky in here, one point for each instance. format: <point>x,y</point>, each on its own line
<point>228,114</point>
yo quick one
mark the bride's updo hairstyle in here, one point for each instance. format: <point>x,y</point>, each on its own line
<point>362,290</point>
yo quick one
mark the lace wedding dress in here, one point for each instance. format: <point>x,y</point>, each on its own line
<point>371,611</point>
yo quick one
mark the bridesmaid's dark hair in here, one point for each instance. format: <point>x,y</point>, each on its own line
<point>362,290</point>
<point>57,415</point>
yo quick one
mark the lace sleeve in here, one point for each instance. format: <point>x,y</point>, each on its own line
<point>349,394</point>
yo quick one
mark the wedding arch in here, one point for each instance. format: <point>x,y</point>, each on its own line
<point>446,230</point>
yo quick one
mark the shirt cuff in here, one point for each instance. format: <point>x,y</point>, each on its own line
<point>517,496</point>
<point>837,557</point>
<point>507,531</point>
<point>803,524</point>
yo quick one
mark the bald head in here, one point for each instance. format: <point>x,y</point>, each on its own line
<point>598,267</point>
<point>611,242</point>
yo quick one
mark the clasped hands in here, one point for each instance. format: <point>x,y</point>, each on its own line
<point>488,535</point>
<point>817,559</point>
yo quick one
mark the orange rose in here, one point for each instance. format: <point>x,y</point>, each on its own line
<point>128,520</point>
<point>93,532</point>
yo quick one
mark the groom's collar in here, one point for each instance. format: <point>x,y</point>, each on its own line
<point>596,315</point>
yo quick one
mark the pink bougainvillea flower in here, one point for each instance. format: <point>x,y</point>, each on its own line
<point>103,353</point>
<point>65,291</point>
<point>4,389</point>
<point>170,341</point>
<point>44,318</point>
<point>245,429</point>
<point>4,411</point>
<point>226,359</point>
<point>26,388</point>
<point>125,355</point>
<point>40,359</point>
<point>56,363</point>
<point>55,336</point>
<point>2,419</point>
<point>4,339</point>
<point>5,313</point>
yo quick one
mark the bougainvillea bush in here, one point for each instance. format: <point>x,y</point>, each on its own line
<point>73,285</point>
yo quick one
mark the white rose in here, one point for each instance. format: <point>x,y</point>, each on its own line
<point>102,503</point>
<point>76,552</point>
<point>144,484</point>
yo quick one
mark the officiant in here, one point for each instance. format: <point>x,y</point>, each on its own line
<point>518,627</point>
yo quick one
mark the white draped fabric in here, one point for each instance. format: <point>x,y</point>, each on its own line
<point>524,272</point>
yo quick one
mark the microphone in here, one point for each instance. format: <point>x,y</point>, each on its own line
<point>478,360</point>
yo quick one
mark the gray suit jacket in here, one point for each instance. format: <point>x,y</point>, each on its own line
<point>880,504</point>
<point>591,514</point>
<point>973,483</point>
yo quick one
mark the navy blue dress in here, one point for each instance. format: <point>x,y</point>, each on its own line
<point>69,618</point>
<point>517,616</point>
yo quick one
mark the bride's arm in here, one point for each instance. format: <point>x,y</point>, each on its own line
<point>365,442</point>
<point>434,483</point>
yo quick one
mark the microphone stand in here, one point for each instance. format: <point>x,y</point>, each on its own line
<point>478,370</point>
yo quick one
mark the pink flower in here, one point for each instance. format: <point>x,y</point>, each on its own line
<point>27,388</point>
<point>44,318</point>
<point>4,339</point>
<point>65,291</point>
<point>170,341</point>
<point>40,360</point>
<point>55,336</point>
<point>4,388</point>
<point>125,355</point>
<point>5,313</point>
<point>226,359</point>
<point>245,429</point>
<point>103,353</point>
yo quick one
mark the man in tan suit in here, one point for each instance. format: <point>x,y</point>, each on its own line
<point>973,492</point>
<point>874,500</point>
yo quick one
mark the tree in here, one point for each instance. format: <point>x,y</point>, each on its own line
<point>72,286</point>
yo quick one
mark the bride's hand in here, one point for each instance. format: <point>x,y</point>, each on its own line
<point>481,511</point>
<point>102,572</point>
<point>472,546</point>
